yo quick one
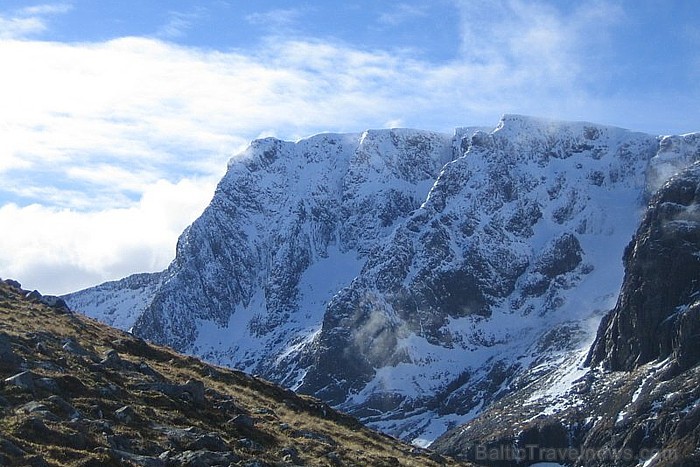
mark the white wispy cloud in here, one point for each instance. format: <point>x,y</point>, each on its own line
<point>46,9</point>
<point>29,21</point>
<point>177,24</point>
<point>277,21</point>
<point>532,46</point>
<point>402,12</point>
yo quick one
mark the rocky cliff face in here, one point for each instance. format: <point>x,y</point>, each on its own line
<point>411,278</point>
<point>657,314</point>
<point>289,226</point>
<point>635,400</point>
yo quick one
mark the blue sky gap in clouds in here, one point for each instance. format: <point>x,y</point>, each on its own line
<point>118,116</point>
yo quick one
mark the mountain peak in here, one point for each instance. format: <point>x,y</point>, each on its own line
<point>407,276</point>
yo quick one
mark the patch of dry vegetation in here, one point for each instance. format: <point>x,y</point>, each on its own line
<point>76,392</point>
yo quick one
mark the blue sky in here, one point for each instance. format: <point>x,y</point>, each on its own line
<point>117,117</point>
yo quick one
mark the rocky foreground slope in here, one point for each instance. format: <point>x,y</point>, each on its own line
<point>635,398</point>
<point>410,278</point>
<point>74,392</point>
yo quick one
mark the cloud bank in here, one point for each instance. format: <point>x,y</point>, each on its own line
<point>111,148</point>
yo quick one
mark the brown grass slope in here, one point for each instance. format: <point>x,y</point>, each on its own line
<point>76,392</point>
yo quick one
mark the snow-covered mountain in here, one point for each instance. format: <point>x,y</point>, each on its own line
<point>409,277</point>
<point>635,398</point>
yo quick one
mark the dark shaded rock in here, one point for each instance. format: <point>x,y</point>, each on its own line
<point>125,415</point>
<point>35,461</point>
<point>74,348</point>
<point>63,407</point>
<point>13,283</point>
<point>8,447</point>
<point>9,361</point>
<point>202,458</point>
<point>24,381</point>
<point>136,459</point>
<point>242,421</point>
<point>209,442</point>
<point>658,313</point>
<point>47,384</point>
<point>111,359</point>
<point>561,256</point>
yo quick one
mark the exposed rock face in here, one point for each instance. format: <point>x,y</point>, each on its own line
<point>449,312</point>
<point>645,411</point>
<point>658,311</point>
<point>411,278</point>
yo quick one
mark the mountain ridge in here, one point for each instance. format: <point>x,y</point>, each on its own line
<point>409,277</point>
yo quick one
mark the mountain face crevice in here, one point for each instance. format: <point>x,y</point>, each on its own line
<point>410,277</point>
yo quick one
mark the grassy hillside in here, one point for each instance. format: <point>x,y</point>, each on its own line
<point>76,392</point>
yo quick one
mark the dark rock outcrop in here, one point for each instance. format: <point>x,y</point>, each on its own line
<point>658,312</point>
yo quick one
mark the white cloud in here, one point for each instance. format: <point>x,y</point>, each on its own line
<point>46,9</point>
<point>278,20</point>
<point>178,24</point>
<point>532,47</point>
<point>401,13</point>
<point>29,21</point>
<point>110,149</point>
<point>20,27</point>
<point>59,250</point>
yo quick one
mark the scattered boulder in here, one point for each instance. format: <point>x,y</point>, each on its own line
<point>52,301</point>
<point>129,458</point>
<point>13,283</point>
<point>202,458</point>
<point>111,359</point>
<point>125,414</point>
<point>71,346</point>
<point>10,448</point>
<point>64,407</point>
<point>9,361</point>
<point>47,384</point>
<point>242,421</point>
<point>24,380</point>
<point>196,389</point>
<point>210,442</point>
